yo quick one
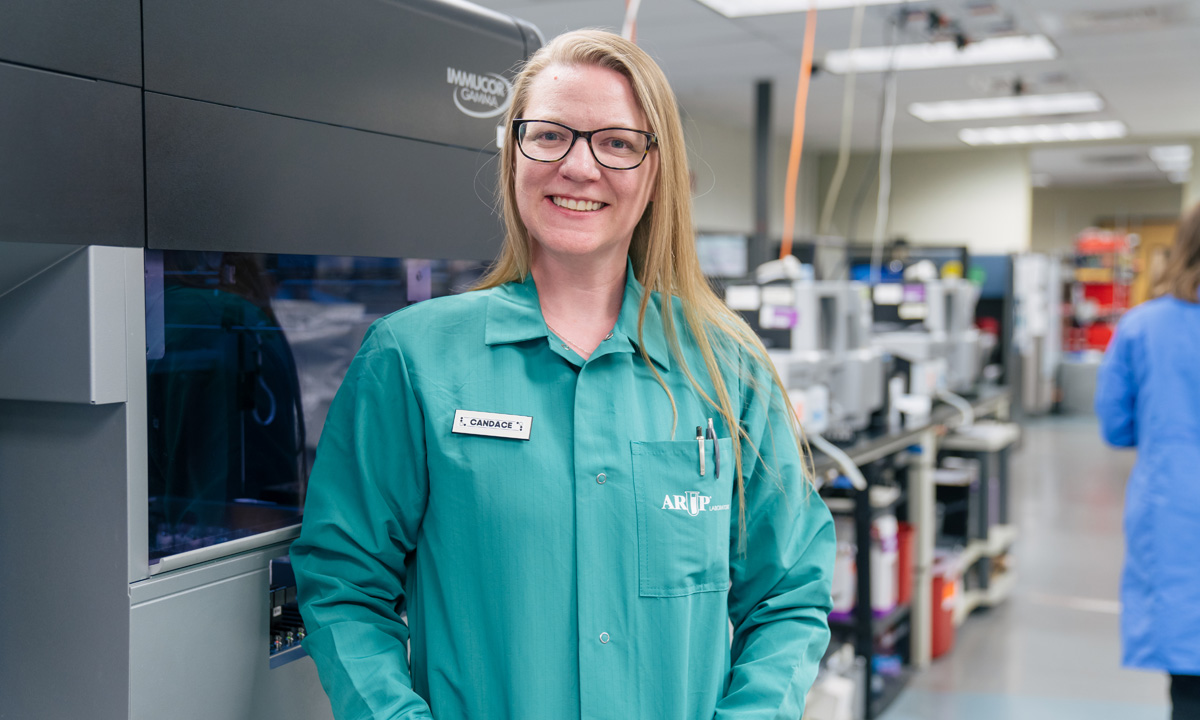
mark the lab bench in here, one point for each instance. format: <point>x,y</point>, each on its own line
<point>912,453</point>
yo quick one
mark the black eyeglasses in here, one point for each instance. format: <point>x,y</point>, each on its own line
<point>614,148</point>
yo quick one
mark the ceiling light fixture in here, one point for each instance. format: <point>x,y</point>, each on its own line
<point>923,56</point>
<point>1006,107</point>
<point>1025,134</point>
<point>747,8</point>
<point>1172,158</point>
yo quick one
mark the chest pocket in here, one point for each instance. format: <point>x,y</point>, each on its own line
<point>683,518</point>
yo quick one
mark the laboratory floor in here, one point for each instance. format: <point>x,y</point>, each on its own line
<point>1052,651</point>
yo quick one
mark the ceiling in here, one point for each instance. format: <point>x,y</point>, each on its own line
<point>1140,56</point>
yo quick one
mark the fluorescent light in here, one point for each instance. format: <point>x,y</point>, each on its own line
<point>1004,107</point>
<point>746,8</point>
<point>1174,160</point>
<point>1014,48</point>
<point>1023,134</point>
<point>1171,155</point>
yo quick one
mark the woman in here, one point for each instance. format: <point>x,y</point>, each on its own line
<point>574,478</point>
<point>1148,397</point>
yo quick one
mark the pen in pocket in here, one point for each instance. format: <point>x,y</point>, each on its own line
<point>700,445</point>
<point>712,435</point>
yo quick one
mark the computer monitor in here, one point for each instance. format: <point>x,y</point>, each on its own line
<point>723,255</point>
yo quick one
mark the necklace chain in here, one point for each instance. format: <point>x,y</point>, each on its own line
<point>575,346</point>
<point>565,339</point>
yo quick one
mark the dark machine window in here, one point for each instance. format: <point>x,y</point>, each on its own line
<point>244,354</point>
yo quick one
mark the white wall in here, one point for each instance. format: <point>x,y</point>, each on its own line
<point>1191,189</point>
<point>722,160</point>
<point>975,197</point>
<point>1060,213</point>
<point>978,197</point>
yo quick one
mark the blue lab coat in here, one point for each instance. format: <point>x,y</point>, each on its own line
<point>1148,397</point>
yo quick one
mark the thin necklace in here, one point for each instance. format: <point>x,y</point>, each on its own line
<point>566,339</point>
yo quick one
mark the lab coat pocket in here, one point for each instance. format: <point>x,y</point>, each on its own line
<point>682,517</point>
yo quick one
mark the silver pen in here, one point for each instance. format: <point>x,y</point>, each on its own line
<point>716,450</point>
<point>700,445</point>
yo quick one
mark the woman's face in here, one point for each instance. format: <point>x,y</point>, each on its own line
<point>609,202</point>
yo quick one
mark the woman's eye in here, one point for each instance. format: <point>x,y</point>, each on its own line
<point>548,136</point>
<point>618,145</point>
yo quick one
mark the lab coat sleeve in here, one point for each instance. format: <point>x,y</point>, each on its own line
<point>779,599</point>
<point>1116,390</point>
<point>366,497</point>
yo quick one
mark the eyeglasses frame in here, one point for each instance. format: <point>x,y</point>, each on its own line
<point>587,137</point>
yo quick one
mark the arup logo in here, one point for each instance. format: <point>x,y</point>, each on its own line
<point>691,502</point>
<point>479,96</point>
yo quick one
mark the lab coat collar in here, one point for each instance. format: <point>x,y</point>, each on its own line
<point>514,315</point>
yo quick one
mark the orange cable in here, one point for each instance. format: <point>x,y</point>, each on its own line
<point>789,193</point>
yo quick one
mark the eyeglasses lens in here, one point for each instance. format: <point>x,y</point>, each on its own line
<point>616,148</point>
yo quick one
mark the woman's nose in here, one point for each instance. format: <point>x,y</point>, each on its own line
<point>580,164</point>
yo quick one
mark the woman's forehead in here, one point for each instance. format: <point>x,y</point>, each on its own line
<point>590,95</point>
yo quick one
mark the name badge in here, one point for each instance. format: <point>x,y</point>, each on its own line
<point>514,427</point>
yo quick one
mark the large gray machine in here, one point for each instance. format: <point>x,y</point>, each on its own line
<point>199,203</point>
<point>929,327</point>
<point>820,335</point>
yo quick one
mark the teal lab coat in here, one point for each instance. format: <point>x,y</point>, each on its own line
<point>590,571</point>
<point>1148,397</point>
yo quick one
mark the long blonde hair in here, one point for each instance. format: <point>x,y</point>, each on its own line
<point>662,251</point>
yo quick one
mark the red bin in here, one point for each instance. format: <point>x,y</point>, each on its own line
<point>945,597</point>
<point>904,571</point>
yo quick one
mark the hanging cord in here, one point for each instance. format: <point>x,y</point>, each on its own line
<point>960,403</point>
<point>843,461</point>
<point>887,136</point>
<point>789,193</point>
<point>860,194</point>
<point>843,161</point>
<point>629,29</point>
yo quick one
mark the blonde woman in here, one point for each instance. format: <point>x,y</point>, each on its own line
<point>573,478</point>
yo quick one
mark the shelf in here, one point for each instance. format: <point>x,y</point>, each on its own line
<point>883,499</point>
<point>982,437</point>
<point>880,624</point>
<point>892,687</point>
<point>1000,538</point>
<point>283,657</point>
<point>1104,276</point>
<point>999,588</point>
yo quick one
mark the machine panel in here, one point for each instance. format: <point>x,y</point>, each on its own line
<point>244,353</point>
<point>412,68</point>
<point>62,496</point>
<point>221,178</point>
<point>200,639</point>
<point>72,159</point>
<point>80,37</point>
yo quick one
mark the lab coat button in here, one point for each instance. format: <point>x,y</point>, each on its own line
<point>601,478</point>
<point>604,637</point>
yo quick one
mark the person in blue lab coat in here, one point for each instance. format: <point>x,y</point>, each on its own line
<point>1148,397</point>
<point>516,469</point>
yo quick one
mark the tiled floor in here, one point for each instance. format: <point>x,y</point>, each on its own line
<point>1052,652</point>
